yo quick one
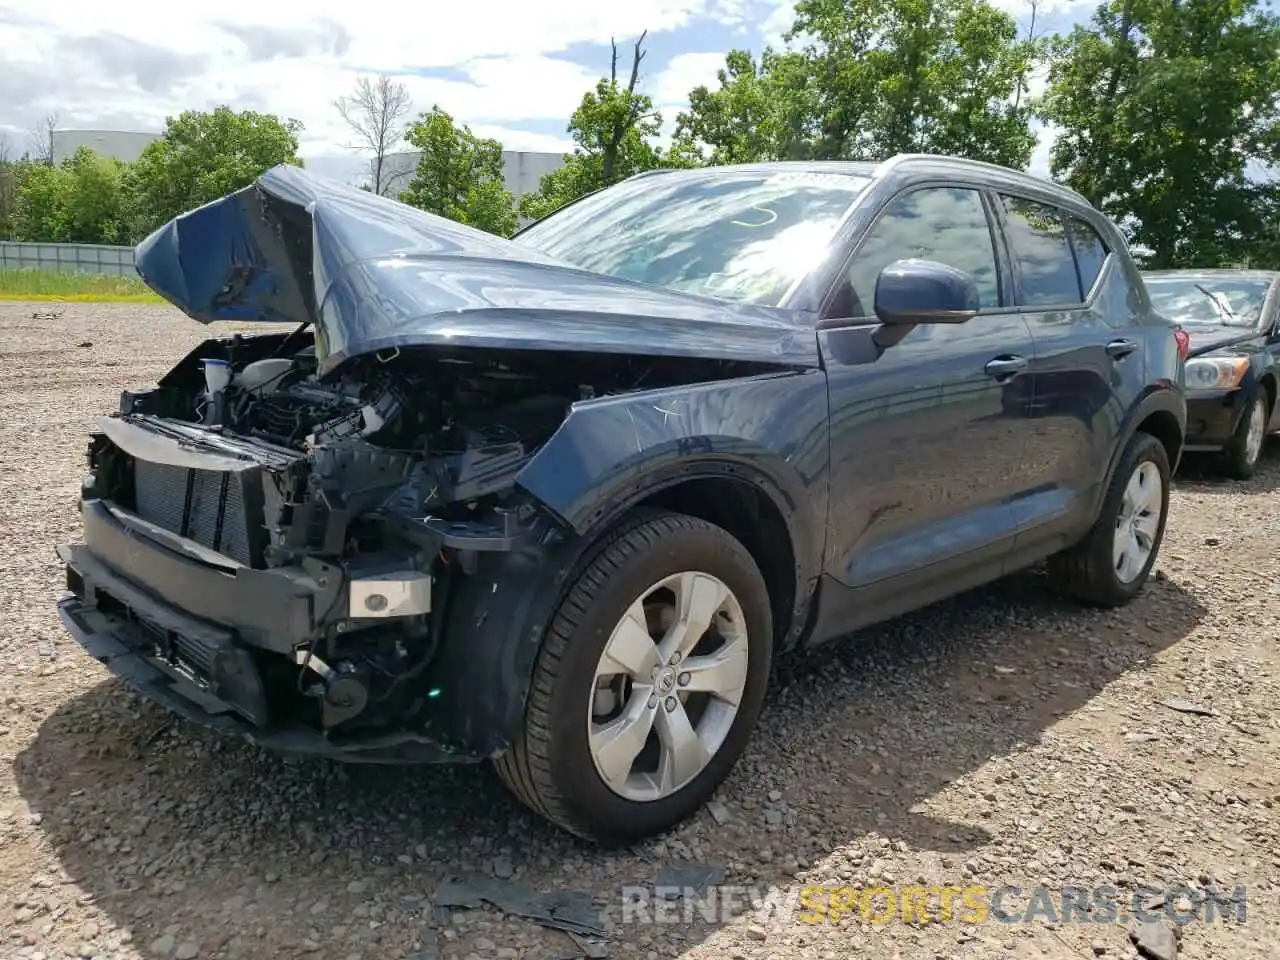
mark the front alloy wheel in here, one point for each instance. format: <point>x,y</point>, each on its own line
<point>649,682</point>
<point>668,686</point>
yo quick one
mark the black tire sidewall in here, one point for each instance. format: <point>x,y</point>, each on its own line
<point>1237,454</point>
<point>1143,448</point>
<point>704,548</point>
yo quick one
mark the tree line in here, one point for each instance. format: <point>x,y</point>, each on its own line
<point>1167,111</point>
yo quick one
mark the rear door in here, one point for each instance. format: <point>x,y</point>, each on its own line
<point>1088,367</point>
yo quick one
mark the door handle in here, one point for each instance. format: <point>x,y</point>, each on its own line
<point>1005,366</point>
<point>1119,349</point>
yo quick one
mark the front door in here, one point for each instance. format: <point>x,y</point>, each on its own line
<point>927,433</point>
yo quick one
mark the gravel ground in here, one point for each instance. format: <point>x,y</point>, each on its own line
<point>1003,738</point>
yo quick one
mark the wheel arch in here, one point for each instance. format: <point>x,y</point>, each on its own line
<point>750,515</point>
<point>498,615</point>
<point>750,455</point>
<point>1162,413</point>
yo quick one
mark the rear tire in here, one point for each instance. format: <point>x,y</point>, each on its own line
<point>558,762</point>
<point>1241,456</point>
<point>1110,565</point>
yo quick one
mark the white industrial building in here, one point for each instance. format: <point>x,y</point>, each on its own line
<point>521,172</point>
<point>121,144</point>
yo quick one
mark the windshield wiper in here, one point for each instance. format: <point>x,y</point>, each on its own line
<point>1224,311</point>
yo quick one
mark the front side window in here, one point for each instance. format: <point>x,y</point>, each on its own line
<point>945,224</point>
<point>1041,253</point>
<point>1210,300</point>
<point>736,235</point>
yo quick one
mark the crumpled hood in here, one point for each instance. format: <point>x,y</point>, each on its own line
<point>374,274</point>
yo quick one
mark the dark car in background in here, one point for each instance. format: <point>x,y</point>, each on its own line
<point>560,501</point>
<point>1232,318</point>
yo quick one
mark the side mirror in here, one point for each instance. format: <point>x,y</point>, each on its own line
<point>924,291</point>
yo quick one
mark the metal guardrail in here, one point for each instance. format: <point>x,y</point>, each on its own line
<point>67,257</point>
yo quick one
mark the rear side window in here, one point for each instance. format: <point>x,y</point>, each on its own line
<point>1041,253</point>
<point>1090,252</point>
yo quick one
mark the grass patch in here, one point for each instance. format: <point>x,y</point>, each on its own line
<point>74,287</point>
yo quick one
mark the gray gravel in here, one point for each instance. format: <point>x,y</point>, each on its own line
<point>1002,738</point>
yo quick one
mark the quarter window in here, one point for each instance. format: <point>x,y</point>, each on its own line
<point>1090,252</point>
<point>1041,254</point>
<point>944,224</point>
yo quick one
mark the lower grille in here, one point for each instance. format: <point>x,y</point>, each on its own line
<point>207,506</point>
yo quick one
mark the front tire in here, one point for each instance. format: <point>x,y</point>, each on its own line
<point>649,682</point>
<point>1240,458</point>
<point>1110,565</point>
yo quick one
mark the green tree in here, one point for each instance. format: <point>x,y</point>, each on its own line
<point>40,205</point>
<point>459,175</point>
<point>203,156</point>
<point>1266,251</point>
<point>760,111</point>
<point>1161,108</point>
<point>613,128</point>
<point>82,200</point>
<point>96,198</point>
<point>873,79</point>
<point>10,172</point>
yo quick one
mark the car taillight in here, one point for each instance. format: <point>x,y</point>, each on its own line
<point>1184,342</point>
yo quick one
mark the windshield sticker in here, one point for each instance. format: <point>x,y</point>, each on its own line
<point>825,181</point>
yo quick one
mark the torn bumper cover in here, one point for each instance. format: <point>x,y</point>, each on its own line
<point>232,621</point>
<point>116,641</point>
<point>146,642</point>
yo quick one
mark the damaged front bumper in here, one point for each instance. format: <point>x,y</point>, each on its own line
<point>418,650</point>
<point>115,641</point>
<point>198,651</point>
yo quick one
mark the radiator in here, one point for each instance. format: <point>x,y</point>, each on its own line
<point>207,506</point>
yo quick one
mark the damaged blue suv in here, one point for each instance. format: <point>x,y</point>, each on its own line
<point>560,501</point>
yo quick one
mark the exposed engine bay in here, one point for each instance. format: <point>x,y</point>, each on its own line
<point>379,485</point>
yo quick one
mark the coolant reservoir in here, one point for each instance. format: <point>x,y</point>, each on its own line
<point>263,376</point>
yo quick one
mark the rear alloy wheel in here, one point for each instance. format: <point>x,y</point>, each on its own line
<point>1110,565</point>
<point>1141,508</point>
<point>648,683</point>
<point>1245,449</point>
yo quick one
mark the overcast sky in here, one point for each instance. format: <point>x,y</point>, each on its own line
<point>512,69</point>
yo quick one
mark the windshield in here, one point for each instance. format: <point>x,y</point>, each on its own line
<point>734,235</point>
<point>1224,302</point>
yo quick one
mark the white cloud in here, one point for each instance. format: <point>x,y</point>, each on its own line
<point>778,21</point>
<point>670,89</point>
<point>682,74</point>
<point>129,66</point>
<point>1040,156</point>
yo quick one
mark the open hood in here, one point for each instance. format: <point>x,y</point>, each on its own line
<point>374,274</point>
